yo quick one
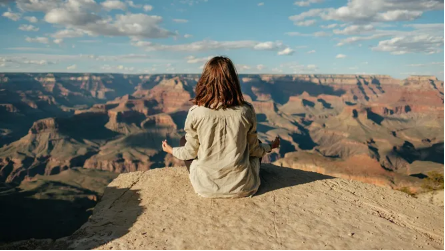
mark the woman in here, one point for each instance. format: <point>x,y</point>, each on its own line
<point>221,148</point>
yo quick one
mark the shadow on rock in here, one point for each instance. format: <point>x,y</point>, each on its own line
<point>116,213</point>
<point>274,178</point>
<point>23,215</point>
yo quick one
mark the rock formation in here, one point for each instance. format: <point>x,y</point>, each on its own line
<point>116,122</point>
<point>293,209</point>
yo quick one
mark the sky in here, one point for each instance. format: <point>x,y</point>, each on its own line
<point>392,37</point>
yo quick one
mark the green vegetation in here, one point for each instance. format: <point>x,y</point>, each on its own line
<point>434,181</point>
<point>406,190</point>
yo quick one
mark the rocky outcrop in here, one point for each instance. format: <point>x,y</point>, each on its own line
<point>45,150</point>
<point>170,94</point>
<point>293,209</point>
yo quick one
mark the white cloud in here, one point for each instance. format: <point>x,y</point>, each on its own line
<point>37,62</point>
<point>68,33</point>
<point>260,4</point>
<point>117,68</point>
<point>136,25</point>
<point>11,15</point>
<point>194,60</point>
<point>114,5</point>
<point>306,22</point>
<point>28,27</point>
<point>37,5</point>
<point>288,51</point>
<point>148,8</point>
<point>411,44</point>
<point>133,5</point>
<point>30,49</point>
<point>260,67</point>
<point>86,16</point>
<point>180,20</point>
<point>302,16</point>
<point>329,26</point>
<point>310,52</point>
<point>58,41</point>
<point>31,19</point>
<point>351,40</point>
<point>374,11</point>
<point>307,3</point>
<point>43,40</point>
<point>192,2</point>
<point>340,56</point>
<point>242,67</point>
<point>72,67</point>
<point>188,36</point>
<point>277,70</point>
<point>426,64</point>
<point>424,38</point>
<point>207,45</point>
<point>81,5</point>
<point>321,34</point>
<point>20,60</point>
<point>128,58</point>
<point>315,34</point>
<point>432,26</point>
<point>355,29</point>
<point>268,46</point>
<point>296,68</point>
<point>71,17</point>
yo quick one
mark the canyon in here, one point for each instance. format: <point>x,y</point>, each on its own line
<point>372,128</point>
<point>65,136</point>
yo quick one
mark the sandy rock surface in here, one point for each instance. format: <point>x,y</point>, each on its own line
<point>433,197</point>
<point>294,209</point>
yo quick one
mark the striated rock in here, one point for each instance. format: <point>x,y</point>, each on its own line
<point>170,94</point>
<point>121,119</point>
<point>264,107</point>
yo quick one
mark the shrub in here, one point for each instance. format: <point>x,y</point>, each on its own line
<point>406,190</point>
<point>434,181</point>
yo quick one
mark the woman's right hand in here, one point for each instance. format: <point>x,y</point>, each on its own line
<point>275,143</point>
<point>166,147</point>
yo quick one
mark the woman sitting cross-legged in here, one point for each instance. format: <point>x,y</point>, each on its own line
<point>221,147</point>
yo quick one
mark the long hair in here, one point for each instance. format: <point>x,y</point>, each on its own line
<point>219,85</point>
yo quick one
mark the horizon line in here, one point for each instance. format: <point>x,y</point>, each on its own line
<point>289,74</point>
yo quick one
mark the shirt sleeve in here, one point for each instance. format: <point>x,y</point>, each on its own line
<point>190,149</point>
<point>255,148</point>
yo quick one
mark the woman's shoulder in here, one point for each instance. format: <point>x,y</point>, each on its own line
<point>195,110</point>
<point>202,111</point>
<point>248,105</point>
<point>248,108</point>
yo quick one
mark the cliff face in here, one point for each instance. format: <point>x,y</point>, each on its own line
<point>115,122</point>
<point>158,209</point>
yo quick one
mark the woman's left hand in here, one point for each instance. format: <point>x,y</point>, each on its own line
<point>275,143</point>
<point>166,147</point>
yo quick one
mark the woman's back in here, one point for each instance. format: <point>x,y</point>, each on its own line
<point>228,151</point>
<point>221,137</point>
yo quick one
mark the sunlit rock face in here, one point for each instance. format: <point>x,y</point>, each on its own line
<point>376,128</point>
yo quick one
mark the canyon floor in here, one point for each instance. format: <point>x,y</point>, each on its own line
<point>294,209</point>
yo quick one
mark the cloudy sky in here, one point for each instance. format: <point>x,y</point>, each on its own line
<point>395,37</point>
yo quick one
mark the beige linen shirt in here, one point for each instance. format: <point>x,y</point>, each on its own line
<point>225,148</point>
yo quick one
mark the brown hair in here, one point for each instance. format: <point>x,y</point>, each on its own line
<point>219,86</point>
